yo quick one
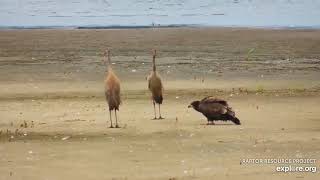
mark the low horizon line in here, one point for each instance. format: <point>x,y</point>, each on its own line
<point>3,27</point>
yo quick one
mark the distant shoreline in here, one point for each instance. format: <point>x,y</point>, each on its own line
<point>159,26</point>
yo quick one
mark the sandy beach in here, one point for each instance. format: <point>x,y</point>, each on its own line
<point>54,119</point>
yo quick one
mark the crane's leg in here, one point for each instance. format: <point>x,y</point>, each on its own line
<point>154,109</point>
<point>160,113</point>
<point>110,119</point>
<point>115,113</point>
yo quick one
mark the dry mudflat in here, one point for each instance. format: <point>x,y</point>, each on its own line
<point>54,123</point>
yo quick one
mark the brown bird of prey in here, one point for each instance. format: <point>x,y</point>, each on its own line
<point>215,109</point>
<point>112,89</point>
<point>155,86</point>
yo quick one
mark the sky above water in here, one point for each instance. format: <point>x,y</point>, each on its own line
<point>248,13</point>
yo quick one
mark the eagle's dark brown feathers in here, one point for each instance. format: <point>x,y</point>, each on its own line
<point>211,99</point>
<point>215,109</point>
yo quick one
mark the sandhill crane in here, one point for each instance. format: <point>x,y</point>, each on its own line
<point>215,109</point>
<point>155,86</point>
<point>112,89</point>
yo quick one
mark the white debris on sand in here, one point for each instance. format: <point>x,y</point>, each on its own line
<point>65,138</point>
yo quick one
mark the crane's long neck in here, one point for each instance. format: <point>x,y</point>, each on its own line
<point>108,61</point>
<point>154,63</point>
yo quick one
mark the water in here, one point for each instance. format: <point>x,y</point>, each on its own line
<point>75,13</point>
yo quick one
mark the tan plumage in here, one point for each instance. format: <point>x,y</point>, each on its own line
<point>112,89</point>
<point>155,86</point>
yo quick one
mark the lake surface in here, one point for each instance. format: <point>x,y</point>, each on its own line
<point>91,13</point>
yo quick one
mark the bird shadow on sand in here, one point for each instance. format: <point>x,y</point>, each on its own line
<point>218,124</point>
<point>158,119</point>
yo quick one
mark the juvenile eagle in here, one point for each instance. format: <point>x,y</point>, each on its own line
<point>215,109</point>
